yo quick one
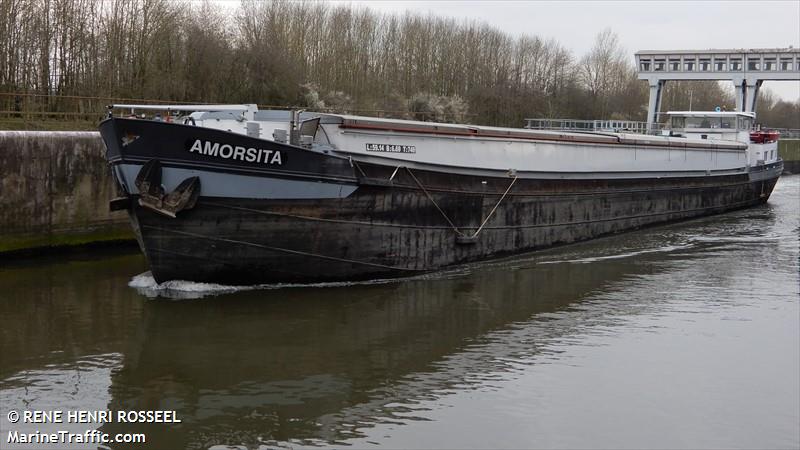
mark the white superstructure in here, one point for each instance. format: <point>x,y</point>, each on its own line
<point>709,143</point>
<point>730,126</point>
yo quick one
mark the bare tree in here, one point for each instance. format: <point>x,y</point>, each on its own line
<point>357,60</point>
<point>602,69</point>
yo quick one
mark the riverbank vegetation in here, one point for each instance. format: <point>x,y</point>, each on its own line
<point>65,59</point>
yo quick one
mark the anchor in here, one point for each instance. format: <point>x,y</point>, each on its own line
<point>153,197</point>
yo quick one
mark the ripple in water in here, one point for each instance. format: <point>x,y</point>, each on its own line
<point>145,284</point>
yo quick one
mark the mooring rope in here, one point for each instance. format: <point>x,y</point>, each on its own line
<point>427,194</point>
<point>495,207</point>
<point>459,232</point>
<point>354,163</point>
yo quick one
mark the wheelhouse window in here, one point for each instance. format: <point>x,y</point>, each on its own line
<point>699,122</point>
<point>708,122</point>
<point>728,122</point>
<point>745,123</point>
<point>678,122</point>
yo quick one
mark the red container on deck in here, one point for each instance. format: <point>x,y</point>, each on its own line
<point>764,136</point>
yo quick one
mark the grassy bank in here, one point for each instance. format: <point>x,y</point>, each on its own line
<point>19,124</point>
<point>35,244</point>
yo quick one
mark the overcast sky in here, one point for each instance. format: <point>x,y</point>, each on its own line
<point>641,25</point>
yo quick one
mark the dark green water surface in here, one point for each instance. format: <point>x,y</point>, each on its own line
<point>681,336</point>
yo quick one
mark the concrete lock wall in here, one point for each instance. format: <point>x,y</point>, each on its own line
<point>54,191</point>
<point>789,150</point>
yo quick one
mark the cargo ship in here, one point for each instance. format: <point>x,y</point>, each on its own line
<point>235,195</point>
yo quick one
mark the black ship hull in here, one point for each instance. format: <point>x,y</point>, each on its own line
<point>322,217</point>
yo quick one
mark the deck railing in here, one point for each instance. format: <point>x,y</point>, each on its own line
<point>789,133</point>
<point>618,126</point>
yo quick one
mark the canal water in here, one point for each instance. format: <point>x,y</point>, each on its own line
<point>679,336</point>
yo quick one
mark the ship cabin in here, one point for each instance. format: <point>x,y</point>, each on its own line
<point>718,125</point>
<point>762,145</point>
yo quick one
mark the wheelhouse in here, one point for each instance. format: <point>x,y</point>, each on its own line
<point>721,125</point>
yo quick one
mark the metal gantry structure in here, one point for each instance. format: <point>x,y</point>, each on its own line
<point>746,68</point>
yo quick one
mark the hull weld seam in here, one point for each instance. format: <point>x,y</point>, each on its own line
<point>496,227</point>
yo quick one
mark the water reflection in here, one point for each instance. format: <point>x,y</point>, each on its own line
<point>325,365</point>
<point>80,385</point>
<point>57,310</point>
<point>283,364</point>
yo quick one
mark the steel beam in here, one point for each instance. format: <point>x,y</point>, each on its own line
<point>654,105</point>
